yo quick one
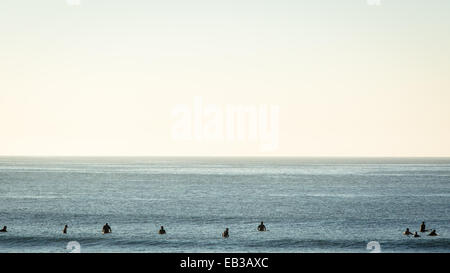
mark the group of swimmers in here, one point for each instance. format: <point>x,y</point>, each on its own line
<point>226,233</point>
<point>422,229</point>
<point>107,229</point>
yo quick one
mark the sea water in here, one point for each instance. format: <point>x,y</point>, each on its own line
<point>307,204</point>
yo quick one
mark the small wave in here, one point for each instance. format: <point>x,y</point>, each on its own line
<point>308,243</point>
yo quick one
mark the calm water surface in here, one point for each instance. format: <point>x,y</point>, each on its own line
<point>307,204</point>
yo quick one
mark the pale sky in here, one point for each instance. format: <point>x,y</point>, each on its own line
<point>103,78</point>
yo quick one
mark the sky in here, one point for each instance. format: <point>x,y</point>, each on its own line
<point>125,78</point>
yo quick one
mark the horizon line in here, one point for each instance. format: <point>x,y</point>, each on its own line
<point>231,156</point>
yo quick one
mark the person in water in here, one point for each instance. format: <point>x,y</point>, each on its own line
<point>65,229</point>
<point>407,232</point>
<point>422,227</point>
<point>162,231</point>
<point>226,234</point>
<point>262,227</point>
<point>3,229</point>
<point>433,233</point>
<point>416,235</point>
<point>106,229</point>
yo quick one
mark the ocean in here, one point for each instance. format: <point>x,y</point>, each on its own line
<point>307,204</point>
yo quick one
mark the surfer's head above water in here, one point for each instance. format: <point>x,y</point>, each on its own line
<point>262,227</point>
<point>433,233</point>
<point>225,233</point>
<point>161,230</point>
<point>422,227</point>
<point>3,229</point>
<point>106,228</point>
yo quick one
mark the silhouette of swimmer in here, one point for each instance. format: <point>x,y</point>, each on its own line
<point>262,227</point>
<point>106,229</point>
<point>65,229</point>
<point>407,232</point>
<point>416,235</point>
<point>422,227</point>
<point>433,233</point>
<point>162,231</point>
<point>226,234</point>
<point>3,229</point>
